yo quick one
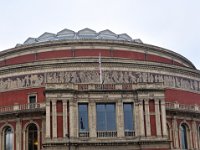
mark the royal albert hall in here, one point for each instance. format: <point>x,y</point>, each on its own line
<point>91,90</point>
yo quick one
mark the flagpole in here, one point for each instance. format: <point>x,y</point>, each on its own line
<point>100,70</point>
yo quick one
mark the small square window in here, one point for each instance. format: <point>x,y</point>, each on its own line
<point>32,99</point>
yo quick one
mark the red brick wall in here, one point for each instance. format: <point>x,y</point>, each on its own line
<point>59,119</point>
<point>152,117</point>
<point>129,54</point>
<point>60,126</point>
<point>54,54</point>
<point>87,53</point>
<point>21,59</point>
<point>91,52</point>
<point>154,58</point>
<point>183,97</point>
<point>20,96</point>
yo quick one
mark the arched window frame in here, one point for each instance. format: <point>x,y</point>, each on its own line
<point>25,134</point>
<point>2,137</point>
<point>188,134</point>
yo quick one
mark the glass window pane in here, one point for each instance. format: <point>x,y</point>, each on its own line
<point>32,99</point>
<point>128,117</point>
<point>101,116</point>
<point>111,119</point>
<point>8,139</point>
<point>184,136</point>
<point>83,117</point>
<point>32,137</point>
<point>106,117</point>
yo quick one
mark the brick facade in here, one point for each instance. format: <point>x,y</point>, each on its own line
<point>43,84</point>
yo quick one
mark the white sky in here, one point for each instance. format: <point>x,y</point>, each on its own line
<point>171,24</point>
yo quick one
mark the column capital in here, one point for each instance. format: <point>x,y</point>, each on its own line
<point>64,102</point>
<point>146,102</point>
<point>54,102</point>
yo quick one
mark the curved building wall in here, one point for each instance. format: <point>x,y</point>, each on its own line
<point>51,92</point>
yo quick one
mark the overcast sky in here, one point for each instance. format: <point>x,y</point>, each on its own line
<point>172,24</point>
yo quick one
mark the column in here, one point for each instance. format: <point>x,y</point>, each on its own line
<point>141,118</point>
<point>73,127</point>
<point>194,134</point>
<point>48,120</point>
<point>54,120</point>
<point>18,134</point>
<point>43,129</point>
<point>147,118</point>
<point>163,118</point>
<point>157,115</point>
<point>65,124</point>
<point>120,119</point>
<point>175,133</point>
<point>136,119</point>
<point>92,119</point>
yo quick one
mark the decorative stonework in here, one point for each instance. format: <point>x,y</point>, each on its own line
<point>109,77</point>
<point>33,80</point>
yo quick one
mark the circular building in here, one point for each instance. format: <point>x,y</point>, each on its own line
<point>97,90</point>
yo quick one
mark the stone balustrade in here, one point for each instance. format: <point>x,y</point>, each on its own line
<point>183,107</point>
<point>21,107</point>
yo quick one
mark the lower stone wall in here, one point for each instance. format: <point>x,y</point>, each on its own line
<point>163,146</point>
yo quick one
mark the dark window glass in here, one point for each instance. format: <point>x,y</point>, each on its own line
<point>32,99</point>
<point>106,117</point>
<point>8,136</point>
<point>184,137</point>
<point>128,117</point>
<point>83,117</point>
<point>32,137</point>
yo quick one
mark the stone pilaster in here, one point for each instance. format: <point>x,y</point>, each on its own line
<point>120,119</point>
<point>147,118</point>
<point>163,118</point>
<point>65,121</point>
<point>175,133</point>
<point>141,119</point>
<point>137,121</point>
<point>73,119</point>
<point>48,120</point>
<point>157,115</point>
<point>43,129</point>
<point>18,135</point>
<point>92,119</point>
<point>194,135</point>
<point>54,120</point>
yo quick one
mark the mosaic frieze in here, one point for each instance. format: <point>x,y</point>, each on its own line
<point>108,77</point>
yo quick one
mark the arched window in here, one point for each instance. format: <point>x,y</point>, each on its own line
<point>8,139</point>
<point>184,136</point>
<point>32,137</point>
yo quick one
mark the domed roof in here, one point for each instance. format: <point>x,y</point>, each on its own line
<point>86,33</point>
